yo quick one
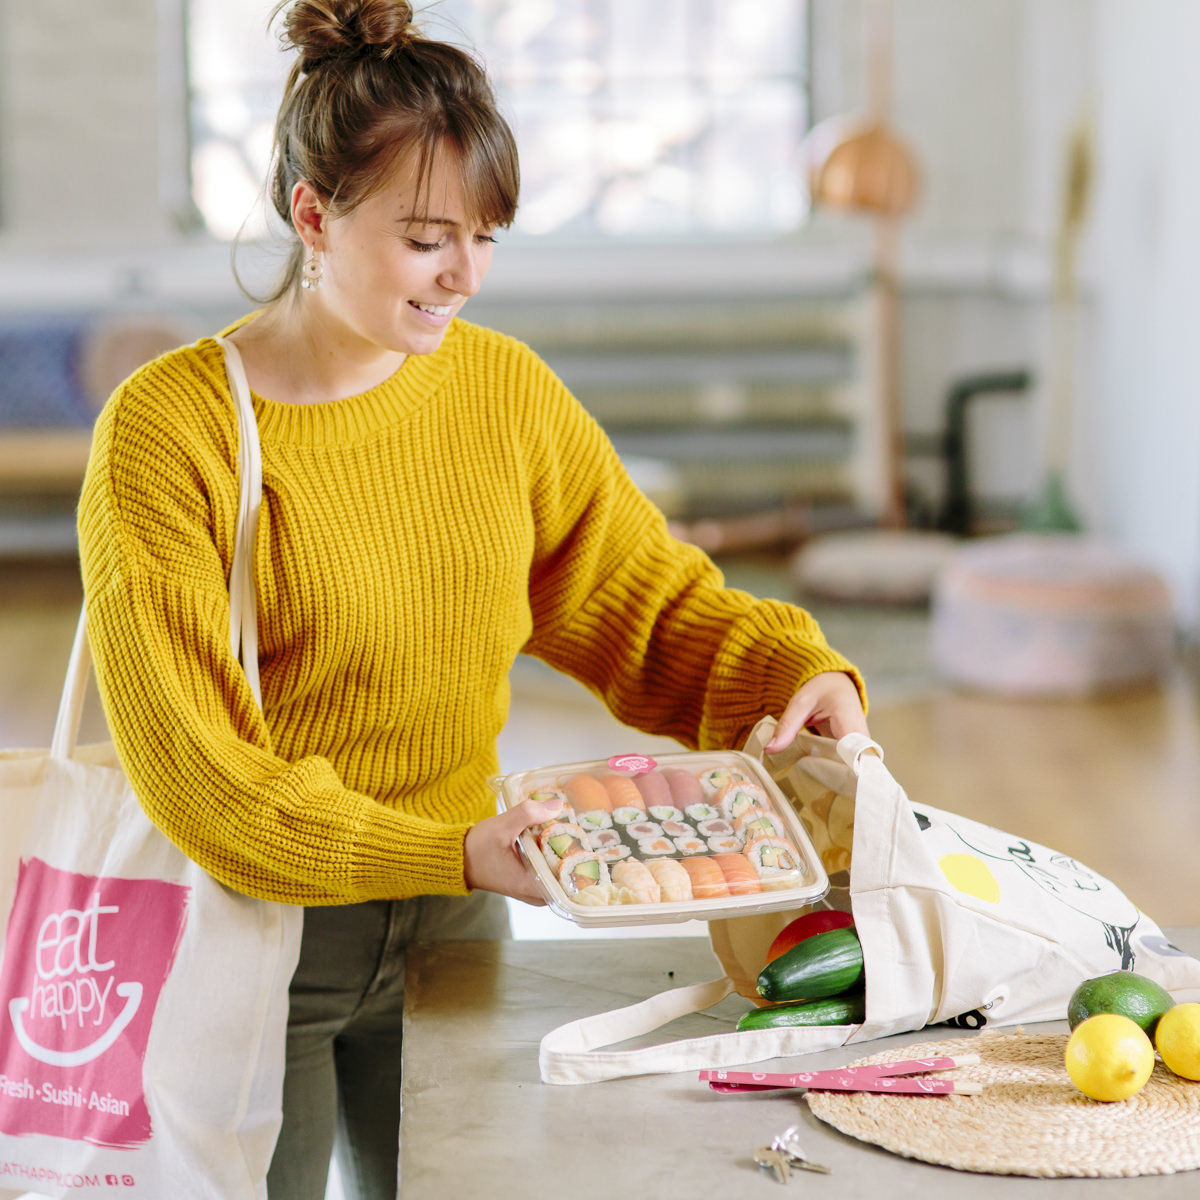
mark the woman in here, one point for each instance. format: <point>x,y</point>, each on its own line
<point>434,503</point>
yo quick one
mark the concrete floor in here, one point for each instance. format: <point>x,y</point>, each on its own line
<point>1111,781</point>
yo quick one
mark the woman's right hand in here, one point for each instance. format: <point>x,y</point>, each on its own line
<point>491,860</point>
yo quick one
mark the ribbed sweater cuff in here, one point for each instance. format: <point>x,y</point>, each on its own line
<point>398,855</point>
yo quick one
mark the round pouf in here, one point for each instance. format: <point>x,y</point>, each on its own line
<point>1049,614</point>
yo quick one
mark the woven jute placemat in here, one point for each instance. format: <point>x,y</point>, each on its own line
<point>1029,1119</point>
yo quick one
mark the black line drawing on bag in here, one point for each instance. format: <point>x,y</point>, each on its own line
<point>1064,878</point>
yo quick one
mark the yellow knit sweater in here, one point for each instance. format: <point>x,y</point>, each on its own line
<point>412,541</point>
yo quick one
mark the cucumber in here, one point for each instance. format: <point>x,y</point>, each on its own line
<point>822,965</point>
<point>850,1008</point>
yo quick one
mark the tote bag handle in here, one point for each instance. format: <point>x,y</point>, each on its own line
<point>243,610</point>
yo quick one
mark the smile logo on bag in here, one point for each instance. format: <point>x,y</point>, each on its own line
<point>85,959</point>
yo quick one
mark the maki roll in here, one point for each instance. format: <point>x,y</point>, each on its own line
<point>740,876</point>
<point>708,880</point>
<point>735,798</point>
<point>643,829</point>
<point>665,812</point>
<point>599,838</point>
<point>691,845</point>
<point>652,846</point>
<point>704,812</point>
<point>655,790</point>
<point>677,829</point>
<point>726,843</point>
<point>635,878</point>
<point>581,869</point>
<point>612,854</point>
<point>628,815</point>
<point>685,787</point>
<point>674,882</point>
<point>719,777</point>
<point>560,838</point>
<point>543,793</point>
<point>596,819</point>
<point>714,827</point>
<point>775,860</point>
<point>758,822</point>
<point>622,792</point>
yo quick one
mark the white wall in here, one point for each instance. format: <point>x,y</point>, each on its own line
<point>1146,440</point>
<point>985,91</point>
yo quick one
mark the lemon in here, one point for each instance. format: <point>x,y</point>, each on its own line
<point>1178,1040</point>
<point>1133,996</point>
<point>1109,1057</point>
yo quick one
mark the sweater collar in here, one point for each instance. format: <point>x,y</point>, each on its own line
<point>357,417</point>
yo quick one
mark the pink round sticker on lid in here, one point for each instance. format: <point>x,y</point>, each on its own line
<point>632,762</point>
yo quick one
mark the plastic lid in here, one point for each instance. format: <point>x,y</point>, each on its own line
<point>676,837</point>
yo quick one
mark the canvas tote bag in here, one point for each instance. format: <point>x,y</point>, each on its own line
<point>143,1005</point>
<point>959,923</point>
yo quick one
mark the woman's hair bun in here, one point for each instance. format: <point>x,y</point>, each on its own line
<point>338,29</point>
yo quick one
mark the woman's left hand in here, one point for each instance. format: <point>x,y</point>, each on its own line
<point>829,703</point>
<point>491,860</point>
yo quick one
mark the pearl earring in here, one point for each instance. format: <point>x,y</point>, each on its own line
<point>312,270</point>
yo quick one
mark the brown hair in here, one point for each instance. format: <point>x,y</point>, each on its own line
<point>367,89</point>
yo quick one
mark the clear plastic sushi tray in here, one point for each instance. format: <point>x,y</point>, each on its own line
<point>676,837</point>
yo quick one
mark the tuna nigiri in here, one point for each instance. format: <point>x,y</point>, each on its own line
<point>685,787</point>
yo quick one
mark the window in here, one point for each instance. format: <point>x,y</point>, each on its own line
<point>656,120</point>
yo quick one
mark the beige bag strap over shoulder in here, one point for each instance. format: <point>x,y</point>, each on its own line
<point>243,615</point>
<point>243,609</point>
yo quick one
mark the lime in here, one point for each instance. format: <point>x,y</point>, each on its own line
<point>1109,1057</point>
<point>1178,1040</point>
<point>1133,996</point>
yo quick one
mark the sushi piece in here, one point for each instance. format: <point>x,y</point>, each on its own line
<point>719,777</point>
<point>635,877</point>
<point>560,838</point>
<point>612,854</point>
<point>708,880</point>
<point>542,793</point>
<point>643,829</point>
<point>704,812</point>
<point>586,794</point>
<point>774,859</point>
<point>676,829</point>
<point>622,792</point>
<point>685,787</point>
<point>728,843</point>
<point>596,819</point>
<point>628,815</point>
<point>651,846</point>
<point>581,869</point>
<point>599,838</point>
<point>674,882</point>
<point>691,845</point>
<point>714,827</point>
<point>654,788</point>
<point>665,812</point>
<point>735,798</point>
<point>758,822</point>
<point>740,876</point>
